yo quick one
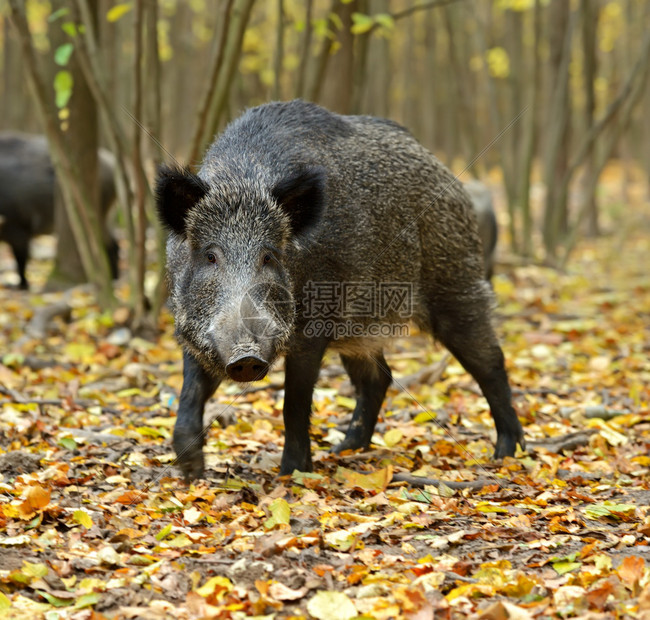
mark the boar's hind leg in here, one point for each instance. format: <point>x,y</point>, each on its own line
<point>300,376</point>
<point>189,435</point>
<point>466,331</point>
<point>20,247</point>
<point>371,377</point>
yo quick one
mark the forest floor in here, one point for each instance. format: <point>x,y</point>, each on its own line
<point>95,521</point>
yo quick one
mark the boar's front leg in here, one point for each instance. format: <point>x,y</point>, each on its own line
<point>189,435</point>
<point>300,376</point>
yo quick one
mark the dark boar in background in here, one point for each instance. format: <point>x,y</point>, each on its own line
<point>481,198</point>
<point>27,185</point>
<point>292,206</point>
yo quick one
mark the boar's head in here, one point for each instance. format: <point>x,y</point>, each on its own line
<point>230,283</point>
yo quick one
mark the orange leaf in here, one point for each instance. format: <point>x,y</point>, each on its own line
<point>598,596</point>
<point>131,497</point>
<point>587,550</point>
<point>262,586</point>
<point>631,570</point>
<point>376,481</point>
<point>37,497</point>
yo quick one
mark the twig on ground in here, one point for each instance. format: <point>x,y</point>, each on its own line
<point>420,482</point>
<point>570,441</point>
<point>37,326</point>
<point>426,375</point>
<point>600,411</point>
<point>370,454</point>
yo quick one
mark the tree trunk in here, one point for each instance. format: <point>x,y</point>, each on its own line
<point>319,68</point>
<point>85,225</point>
<point>305,49</point>
<point>612,125</point>
<point>340,78</point>
<point>530,138</point>
<point>208,99</point>
<point>110,38</point>
<point>82,142</point>
<point>451,140</point>
<point>556,161</point>
<point>376,95</point>
<point>433,111</point>
<point>589,10</point>
<point>460,84</point>
<point>139,265</point>
<point>13,83</point>
<point>279,52</point>
<point>241,15</point>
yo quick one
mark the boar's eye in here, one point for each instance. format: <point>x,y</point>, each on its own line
<point>267,259</point>
<point>212,257</point>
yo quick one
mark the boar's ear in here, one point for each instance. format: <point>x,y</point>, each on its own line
<point>301,195</point>
<point>177,191</point>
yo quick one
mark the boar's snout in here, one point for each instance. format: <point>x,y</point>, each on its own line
<point>247,368</point>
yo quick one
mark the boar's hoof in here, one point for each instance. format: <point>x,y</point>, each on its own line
<point>350,443</point>
<point>188,446</point>
<point>290,464</point>
<point>507,444</point>
<point>247,368</point>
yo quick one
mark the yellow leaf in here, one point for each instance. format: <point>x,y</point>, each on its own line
<point>329,605</point>
<point>445,491</point>
<point>280,513</point>
<point>215,587</point>
<point>90,584</point>
<point>34,570</point>
<point>178,542</point>
<point>118,11</point>
<point>612,437</point>
<point>498,62</point>
<point>393,437</point>
<point>470,590</point>
<point>21,539</point>
<point>116,479</point>
<point>147,431</point>
<point>79,351</point>
<point>192,515</point>
<point>341,540</point>
<point>376,481</point>
<point>344,401</point>
<point>82,518</point>
<point>489,507</point>
<point>162,421</point>
<point>427,417</point>
<point>5,603</point>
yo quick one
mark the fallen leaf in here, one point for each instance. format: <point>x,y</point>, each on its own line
<point>331,605</point>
